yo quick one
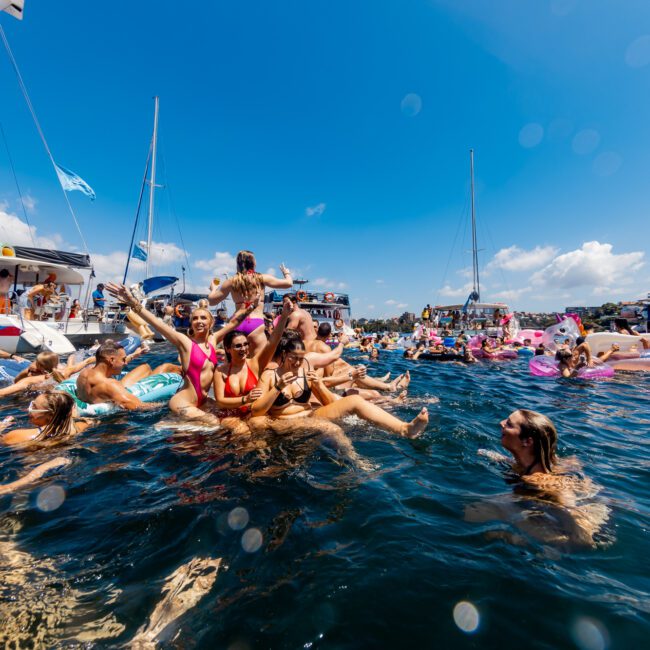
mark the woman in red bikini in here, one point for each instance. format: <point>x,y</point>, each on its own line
<point>196,350</point>
<point>245,287</point>
<point>235,380</point>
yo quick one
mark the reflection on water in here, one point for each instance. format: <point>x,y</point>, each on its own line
<point>176,536</point>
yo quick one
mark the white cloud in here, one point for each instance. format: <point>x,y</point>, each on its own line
<point>29,202</point>
<point>165,253</point>
<point>315,210</point>
<point>326,283</point>
<point>450,292</point>
<point>391,302</point>
<point>370,307</point>
<point>379,281</point>
<point>510,294</point>
<point>271,271</point>
<point>221,262</point>
<point>15,231</point>
<point>592,265</point>
<point>514,258</point>
<point>401,305</point>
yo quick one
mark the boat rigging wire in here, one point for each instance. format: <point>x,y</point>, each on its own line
<point>23,88</point>
<point>20,194</point>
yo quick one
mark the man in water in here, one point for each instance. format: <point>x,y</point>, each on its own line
<point>99,302</point>
<point>97,384</point>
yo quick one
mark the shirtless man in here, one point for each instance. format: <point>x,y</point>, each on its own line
<point>301,321</point>
<point>246,286</point>
<point>97,384</point>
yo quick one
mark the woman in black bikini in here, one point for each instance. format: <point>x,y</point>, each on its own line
<point>288,390</point>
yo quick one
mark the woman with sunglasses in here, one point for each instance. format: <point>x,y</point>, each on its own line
<point>52,417</point>
<point>287,394</point>
<point>235,381</point>
<point>196,350</point>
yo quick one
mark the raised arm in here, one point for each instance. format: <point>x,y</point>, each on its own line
<point>322,359</point>
<point>271,387</point>
<point>265,355</point>
<point>219,292</point>
<point>123,294</point>
<point>286,282</point>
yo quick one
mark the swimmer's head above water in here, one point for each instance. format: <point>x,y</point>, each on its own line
<point>112,355</point>
<point>531,438</point>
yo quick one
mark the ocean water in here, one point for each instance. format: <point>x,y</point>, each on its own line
<point>435,546</point>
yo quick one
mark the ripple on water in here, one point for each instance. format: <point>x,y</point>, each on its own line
<point>430,545</point>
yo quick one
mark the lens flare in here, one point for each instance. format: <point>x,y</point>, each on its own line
<point>50,498</point>
<point>251,540</point>
<point>238,518</point>
<point>466,616</point>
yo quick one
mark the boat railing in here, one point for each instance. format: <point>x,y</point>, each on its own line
<point>311,297</point>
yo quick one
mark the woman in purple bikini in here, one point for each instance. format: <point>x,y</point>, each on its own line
<point>196,350</point>
<point>246,287</point>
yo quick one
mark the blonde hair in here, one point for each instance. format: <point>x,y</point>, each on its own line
<point>544,435</point>
<point>47,361</point>
<point>248,281</point>
<point>190,331</point>
<point>61,406</point>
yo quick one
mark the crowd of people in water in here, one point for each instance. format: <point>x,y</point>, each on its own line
<point>278,373</point>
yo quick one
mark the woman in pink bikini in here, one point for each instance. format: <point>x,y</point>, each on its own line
<point>196,350</point>
<point>245,287</point>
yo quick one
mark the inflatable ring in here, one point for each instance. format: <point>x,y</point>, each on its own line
<point>178,310</point>
<point>329,297</point>
<point>301,295</point>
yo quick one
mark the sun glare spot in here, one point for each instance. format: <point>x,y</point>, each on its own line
<point>411,105</point>
<point>50,498</point>
<point>607,163</point>
<point>590,634</point>
<point>531,135</point>
<point>238,518</point>
<point>585,141</point>
<point>637,54</point>
<point>251,540</point>
<point>466,616</point>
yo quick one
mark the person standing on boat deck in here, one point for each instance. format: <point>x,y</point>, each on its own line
<point>99,302</point>
<point>246,286</point>
<point>6,292</point>
<point>196,350</point>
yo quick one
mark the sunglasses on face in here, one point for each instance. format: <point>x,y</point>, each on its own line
<point>31,409</point>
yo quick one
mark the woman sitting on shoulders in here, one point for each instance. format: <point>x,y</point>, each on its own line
<point>246,287</point>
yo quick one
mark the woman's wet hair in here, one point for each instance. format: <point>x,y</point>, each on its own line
<point>190,331</point>
<point>290,345</point>
<point>229,338</point>
<point>544,436</point>
<point>247,281</point>
<point>61,406</point>
<point>622,323</point>
<point>47,361</point>
<point>563,355</point>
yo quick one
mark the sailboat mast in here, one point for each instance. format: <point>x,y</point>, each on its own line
<point>152,184</point>
<point>475,278</point>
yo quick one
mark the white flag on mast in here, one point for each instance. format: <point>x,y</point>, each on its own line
<point>71,181</point>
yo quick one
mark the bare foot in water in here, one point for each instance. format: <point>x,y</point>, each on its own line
<point>394,384</point>
<point>418,425</point>
<point>386,377</point>
<point>401,397</point>
<point>403,381</point>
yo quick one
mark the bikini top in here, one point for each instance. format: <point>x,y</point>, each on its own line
<point>251,382</point>
<point>303,398</point>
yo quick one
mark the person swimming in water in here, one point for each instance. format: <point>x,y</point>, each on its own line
<point>247,287</point>
<point>52,414</point>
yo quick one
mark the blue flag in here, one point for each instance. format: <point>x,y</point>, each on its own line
<point>70,181</point>
<point>139,252</point>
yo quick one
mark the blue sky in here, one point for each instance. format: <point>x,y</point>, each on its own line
<point>334,136</point>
